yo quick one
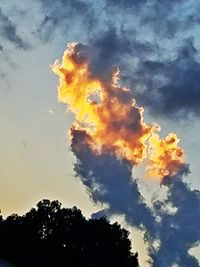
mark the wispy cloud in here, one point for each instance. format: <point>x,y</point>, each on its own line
<point>8,31</point>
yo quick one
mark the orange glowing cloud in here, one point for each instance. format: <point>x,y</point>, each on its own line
<point>108,113</point>
<point>165,157</point>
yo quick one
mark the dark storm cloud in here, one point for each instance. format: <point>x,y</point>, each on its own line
<point>168,86</point>
<point>171,86</point>
<point>165,86</point>
<point>113,48</point>
<point>8,31</point>
<point>66,15</point>
<point>177,91</point>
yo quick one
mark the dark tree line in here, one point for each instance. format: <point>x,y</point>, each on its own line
<point>53,236</point>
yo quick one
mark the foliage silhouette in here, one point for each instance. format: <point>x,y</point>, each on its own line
<point>52,236</point>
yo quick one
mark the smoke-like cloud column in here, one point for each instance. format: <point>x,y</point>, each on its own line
<point>109,137</point>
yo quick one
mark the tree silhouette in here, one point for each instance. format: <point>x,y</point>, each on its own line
<point>53,236</point>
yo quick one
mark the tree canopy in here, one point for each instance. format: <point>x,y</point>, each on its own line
<point>52,236</point>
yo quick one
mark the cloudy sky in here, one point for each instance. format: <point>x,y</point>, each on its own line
<point>155,44</point>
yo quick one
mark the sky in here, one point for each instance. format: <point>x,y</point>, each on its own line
<point>156,46</point>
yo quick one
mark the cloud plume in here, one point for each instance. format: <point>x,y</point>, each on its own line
<point>111,117</point>
<point>108,138</point>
